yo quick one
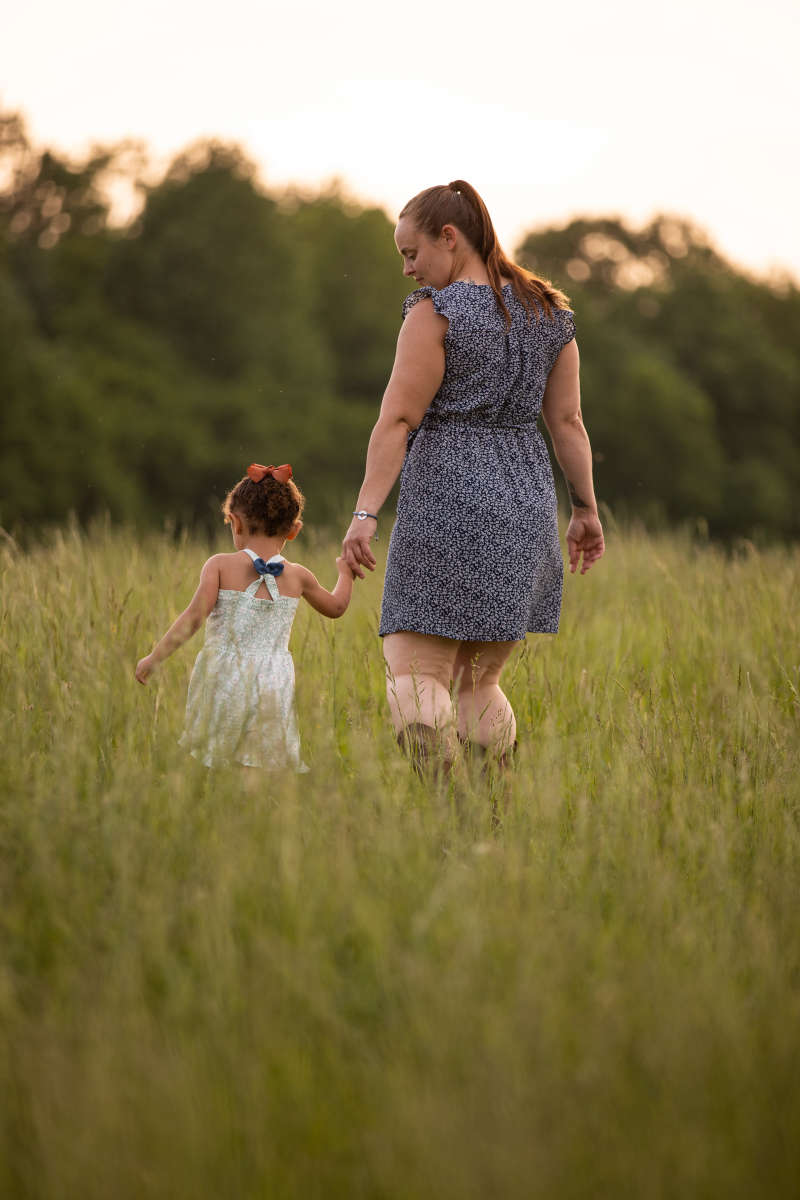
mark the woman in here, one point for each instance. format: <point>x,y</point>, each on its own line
<point>474,560</point>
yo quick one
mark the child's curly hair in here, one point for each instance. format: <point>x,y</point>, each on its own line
<point>266,507</point>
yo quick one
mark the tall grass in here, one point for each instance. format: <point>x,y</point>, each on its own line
<point>354,984</point>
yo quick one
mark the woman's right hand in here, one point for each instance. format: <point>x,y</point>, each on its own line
<point>355,545</point>
<point>584,537</point>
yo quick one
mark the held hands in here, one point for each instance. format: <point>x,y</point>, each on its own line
<point>355,546</point>
<point>344,569</point>
<point>584,537</point>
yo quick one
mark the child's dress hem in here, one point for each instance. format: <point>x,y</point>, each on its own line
<point>300,768</point>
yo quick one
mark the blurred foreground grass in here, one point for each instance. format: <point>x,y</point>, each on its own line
<point>348,984</point>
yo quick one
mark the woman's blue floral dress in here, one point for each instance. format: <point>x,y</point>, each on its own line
<point>474,553</point>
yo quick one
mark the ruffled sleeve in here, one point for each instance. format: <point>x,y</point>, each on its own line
<point>565,328</point>
<point>423,293</point>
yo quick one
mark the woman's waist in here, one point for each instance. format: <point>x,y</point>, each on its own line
<point>471,465</point>
<point>481,419</point>
<point>453,430</point>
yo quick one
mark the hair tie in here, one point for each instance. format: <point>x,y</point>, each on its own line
<point>257,472</point>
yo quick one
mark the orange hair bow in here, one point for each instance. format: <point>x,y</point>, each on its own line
<point>257,472</point>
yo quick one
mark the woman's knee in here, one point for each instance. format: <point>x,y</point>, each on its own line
<point>419,671</point>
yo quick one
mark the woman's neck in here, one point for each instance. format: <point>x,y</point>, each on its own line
<point>471,268</point>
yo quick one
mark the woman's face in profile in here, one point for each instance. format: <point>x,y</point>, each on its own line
<point>426,259</point>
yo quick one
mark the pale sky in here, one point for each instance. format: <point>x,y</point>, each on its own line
<point>549,109</point>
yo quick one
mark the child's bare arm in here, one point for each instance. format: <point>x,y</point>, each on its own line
<point>187,624</point>
<point>330,604</point>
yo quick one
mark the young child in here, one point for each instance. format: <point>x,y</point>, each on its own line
<point>240,707</point>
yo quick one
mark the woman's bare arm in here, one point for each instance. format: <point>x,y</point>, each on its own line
<point>561,410</point>
<point>416,377</point>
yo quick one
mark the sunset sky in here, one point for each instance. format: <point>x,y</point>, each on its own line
<point>548,109</point>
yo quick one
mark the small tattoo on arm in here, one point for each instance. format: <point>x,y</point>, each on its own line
<point>574,497</point>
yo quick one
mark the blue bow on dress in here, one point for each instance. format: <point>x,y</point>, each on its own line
<point>268,568</point>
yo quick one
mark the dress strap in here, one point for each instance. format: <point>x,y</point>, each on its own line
<point>265,577</point>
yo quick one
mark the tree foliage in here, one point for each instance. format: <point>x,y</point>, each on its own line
<point>144,366</point>
<point>690,372</point>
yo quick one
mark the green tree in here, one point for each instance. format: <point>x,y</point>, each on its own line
<point>212,264</point>
<point>689,368</point>
<point>142,368</point>
<point>358,289</point>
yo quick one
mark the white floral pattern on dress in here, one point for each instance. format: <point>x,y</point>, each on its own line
<point>240,706</point>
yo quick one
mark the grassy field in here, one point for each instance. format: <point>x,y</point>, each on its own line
<point>350,984</point>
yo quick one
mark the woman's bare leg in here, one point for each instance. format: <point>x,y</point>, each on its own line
<point>484,713</point>
<point>419,672</point>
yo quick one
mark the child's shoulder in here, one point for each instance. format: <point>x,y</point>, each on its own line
<point>215,563</point>
<point>297,567</point>
<point>296,572</point>
<point>227,570</point>
<point>223,557</point>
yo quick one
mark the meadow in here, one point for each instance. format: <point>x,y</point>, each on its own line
<point>578,979</point>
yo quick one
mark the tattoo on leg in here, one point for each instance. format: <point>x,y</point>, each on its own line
<point>574,497</point>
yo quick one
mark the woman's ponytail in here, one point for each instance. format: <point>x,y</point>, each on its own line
<point>459,204</point>
<point>487,238</point>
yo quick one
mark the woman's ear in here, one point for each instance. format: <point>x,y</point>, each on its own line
<point>448,236</point>
<point>293,532</point>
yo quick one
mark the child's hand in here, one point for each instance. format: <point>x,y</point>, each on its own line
<point>145,668</point>
<point>344,569</point>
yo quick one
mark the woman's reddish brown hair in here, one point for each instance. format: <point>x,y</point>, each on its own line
<point>458,204</point>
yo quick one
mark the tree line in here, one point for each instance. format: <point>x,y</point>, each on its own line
<point>144,366</point>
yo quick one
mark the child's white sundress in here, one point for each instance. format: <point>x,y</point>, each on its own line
<point>240,706</point>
